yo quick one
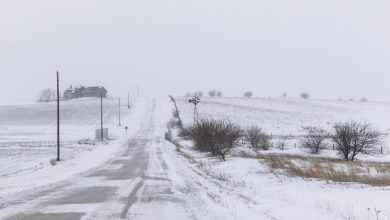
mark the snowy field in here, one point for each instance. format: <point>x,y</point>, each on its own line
<point>286,117</point>
<point>28,134</point>
<point>265,193</point>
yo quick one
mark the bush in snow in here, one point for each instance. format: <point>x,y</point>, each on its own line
<point>257,138</point>
<point>212,93</point>
<point>314,139</point>
<point>172,123</point>
<point>248,94</point>
<point>215,136</point>
<point>198,94</point>
<point>219,94</point>
<point>168,135</point>
<point>353,138</point>
<point>305,95</point>
<point>47,95</point>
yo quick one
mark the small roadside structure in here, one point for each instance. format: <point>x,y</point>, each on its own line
<point>98,134</point>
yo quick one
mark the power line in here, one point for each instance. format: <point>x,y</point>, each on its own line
<point>27,55</point>
<point>39,73</point>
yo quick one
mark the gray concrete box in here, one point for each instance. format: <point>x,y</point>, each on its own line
<point>98,134</point>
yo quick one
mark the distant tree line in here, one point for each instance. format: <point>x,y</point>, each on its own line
<point>47,95</point>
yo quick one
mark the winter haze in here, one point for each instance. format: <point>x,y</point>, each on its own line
<point>331,49</point>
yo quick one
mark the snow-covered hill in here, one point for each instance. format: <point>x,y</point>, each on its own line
<point>37,122</point>
<point>287,116</point>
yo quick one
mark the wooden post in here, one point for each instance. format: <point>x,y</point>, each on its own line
<point>58,117</point>
<point>101,117</point>
<point>119,112</point>
<point>128,99</point>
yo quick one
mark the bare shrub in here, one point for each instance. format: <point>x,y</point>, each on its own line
<point>183,133</point>
<point>305,95</point>
<point>282,143</point>
<point>215,136</point>
<point>219,94</point>
<point>168,135</point>
<point>53,162</point>
<point>353,138</point>
<point>248,94</point>
<point>198,94</point>
<point>257,138</point>
<point>172,123</point>
<point>212,93</point>
<point>314,139</point>
<point>47,95</point>
<point>364,99</point>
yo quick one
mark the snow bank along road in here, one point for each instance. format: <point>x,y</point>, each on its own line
<point>147,181</point>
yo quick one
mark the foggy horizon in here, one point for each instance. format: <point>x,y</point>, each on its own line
<point>332,50</point>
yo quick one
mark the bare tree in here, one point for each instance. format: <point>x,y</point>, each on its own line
<point>284,95</point>
<point>248,94</point>
<point>212,93</point>
<point>305,95</point>
<point>219,94</point>
<point>314,139</point>
<point>215,136</point>
<point>364,99</point>
<point>198,93</point>
<point>282,142</point>
<point>257,138</point>
<point>353,138</point>
<point>47,95</point>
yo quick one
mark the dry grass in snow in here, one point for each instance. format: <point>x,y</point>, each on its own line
<point>372,173</point>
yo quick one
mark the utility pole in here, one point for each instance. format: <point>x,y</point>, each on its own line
<point>133,93</point>
<point>101,117</point>
<point>58,117</point>
<point>128,99</point>
<point>119,112</point>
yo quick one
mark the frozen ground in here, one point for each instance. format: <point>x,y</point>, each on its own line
<point>272,195</point>
<point>150,178</point>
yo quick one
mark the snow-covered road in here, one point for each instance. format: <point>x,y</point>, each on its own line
<point>147,181</point>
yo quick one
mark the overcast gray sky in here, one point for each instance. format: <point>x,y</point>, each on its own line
<point>331,49</point>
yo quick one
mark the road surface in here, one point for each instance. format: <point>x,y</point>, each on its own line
<point>142,183</point>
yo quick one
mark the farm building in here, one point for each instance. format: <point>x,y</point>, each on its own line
<point>81,92</point>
